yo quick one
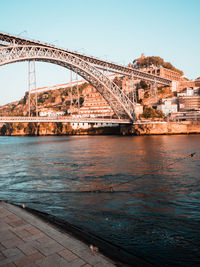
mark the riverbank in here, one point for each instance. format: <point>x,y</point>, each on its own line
<point>51,174</point>
<point>26,239</point>
<point>53,129</point>
<point>162,128</point>
<point>140,128</point>
<point>31,237</point>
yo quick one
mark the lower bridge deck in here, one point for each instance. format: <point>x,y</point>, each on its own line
<point>63,119</point>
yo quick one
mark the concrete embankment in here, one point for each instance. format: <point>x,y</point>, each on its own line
<point>32,238</point>
<point>27,240</point>
<point>159,128</point>
<point>48,128</point>
<point>148,128</point>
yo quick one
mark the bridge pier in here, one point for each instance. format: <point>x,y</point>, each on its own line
<point>153,93</point>
<point>32,97</point>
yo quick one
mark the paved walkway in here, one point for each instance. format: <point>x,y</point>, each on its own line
<point>26,240</point>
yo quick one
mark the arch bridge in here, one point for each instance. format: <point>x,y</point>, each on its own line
<point>17,49</point>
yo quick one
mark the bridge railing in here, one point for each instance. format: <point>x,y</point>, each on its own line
<point>63,119</point>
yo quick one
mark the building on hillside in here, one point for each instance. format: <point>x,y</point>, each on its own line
<point>164,73</point>
<point>159,71</point>
<point>186,84</point>
<point>51,113</point>
<point>186,92</point>
<point>94,106</point>
<point>185,116</point>
<point>129,84</point>
<point>197,82</point>
<point>138,110</point>
<point>187,103</point>
<point>138,59</point>
<point>168,106</point>
<point>87,125</point>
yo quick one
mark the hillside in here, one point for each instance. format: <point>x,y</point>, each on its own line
<point>146,62</point>
<point>59,99</point>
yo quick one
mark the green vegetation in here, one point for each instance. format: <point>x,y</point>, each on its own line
<point>65,92</point>
<point>82,87</point>
<point>41,99</point>
<point>118,81</point>
<point>164,91</point>
<point>33,129</point>
<point>144,85</point>
<point>152,113</point>
<point>155,61</point>
<point>58,128</point>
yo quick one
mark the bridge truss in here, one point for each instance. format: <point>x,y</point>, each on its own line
<point>118,101</point>
<point>16,49</point>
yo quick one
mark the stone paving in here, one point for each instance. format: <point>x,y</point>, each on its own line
<point>26,240</point>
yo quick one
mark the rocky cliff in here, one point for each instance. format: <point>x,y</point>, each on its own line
<point>44,129</point>
<point>158,128</point>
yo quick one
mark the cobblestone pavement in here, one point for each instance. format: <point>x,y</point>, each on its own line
<point>26,240</point>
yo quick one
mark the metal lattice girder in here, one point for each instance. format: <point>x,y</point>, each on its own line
<point>32,98</point>
<point>8,40</point>
<point>153,93</point>
<point>119,102</point>
<point>64,119</point>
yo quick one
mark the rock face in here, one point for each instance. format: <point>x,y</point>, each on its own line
<point>44,129</point>
<point>56,100</point>
<point>154,128</point>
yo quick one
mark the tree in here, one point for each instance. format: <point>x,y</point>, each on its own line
<point>118,81</point>
<point>152,113</point>
<point>146,62</point>
<point>3,130</point>
<point>58,128</point>
<point>143,84</point>
<point>32,128</point>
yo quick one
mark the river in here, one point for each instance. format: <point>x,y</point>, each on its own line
<point>155,214</point>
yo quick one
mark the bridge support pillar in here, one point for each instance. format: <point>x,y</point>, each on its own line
<point>32,97</point>
<point>153,93</point>
<point>75,93</point>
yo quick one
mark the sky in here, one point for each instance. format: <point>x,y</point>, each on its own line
<point>115,30</point>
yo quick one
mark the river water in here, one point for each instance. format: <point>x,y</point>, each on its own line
<point>155,215</point>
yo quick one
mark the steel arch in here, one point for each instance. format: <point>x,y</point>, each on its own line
<point>8,40</point>
<point>119,102</point>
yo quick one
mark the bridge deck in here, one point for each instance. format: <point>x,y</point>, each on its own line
<point>63,119</point>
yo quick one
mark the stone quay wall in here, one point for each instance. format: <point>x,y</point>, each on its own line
<point>156,128</point>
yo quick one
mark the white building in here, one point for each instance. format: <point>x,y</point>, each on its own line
<point>94,106</point>
<point>51,113</point>
<point>168,107</point>
<point>87,125</point>
<point>186,92</point>
<point>138,109</point>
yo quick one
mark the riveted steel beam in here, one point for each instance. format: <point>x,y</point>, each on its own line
<point>119,102</point>
<point>9,40</point>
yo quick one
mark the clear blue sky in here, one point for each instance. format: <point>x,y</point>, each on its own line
<point>117,30</point>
